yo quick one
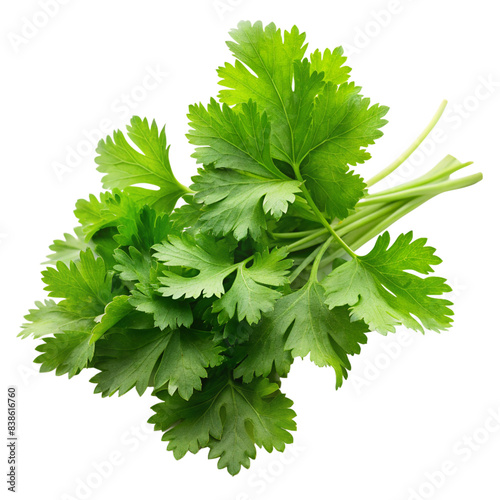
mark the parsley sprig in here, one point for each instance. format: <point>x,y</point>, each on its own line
<point>209,303</point>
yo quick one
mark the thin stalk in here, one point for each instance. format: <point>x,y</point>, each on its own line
<point>430,190</point>
<point>319,257</point>
<point>341,231</point>
<point>318,213</point>
<point>303,265</point>
<point>358,219</point>
<point>299,245</point>
<point>440,172</point>
<point>377,229</point>
<point>291,236</point>
<point>403,157</point>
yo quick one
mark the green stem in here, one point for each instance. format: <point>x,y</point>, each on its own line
<point>425,190</point>
<point>360,218</point>
<point>303,265</point>
<point>293,236</point>
<point>319,257</point>
<point>384,210</point>
<point>406,208</point>
<point>299,245</point>
<point>442,171</point>
<point>403,157</point>
<point>318,213</point>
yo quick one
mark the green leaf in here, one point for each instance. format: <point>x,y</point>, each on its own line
<point>68,352</point>
<point>85,285</point>
<point>211,258</point>
<point>167,313</point>
<point>50,318</point>
<point>114,312</point>
<point>179,358</point>
<point>139,267</point>
<point>186,216</point>
<point>381,293</point>
<point>343,125</point>
<point>147,229</point>
<point>237,203</point>
<point>248,297</point>
<point>134,265</point>
<point>229,417</point>
<point>237,141</point>
<point>331,64</point>
<point>127,359</point>
<point>69,249</point>
<point>263,72</point>
<point>318,127</point>
<point>301,324</point>
<point>187,356</point>
<point>114,210</point>
<point>125,167</point>
<point>231,140</point>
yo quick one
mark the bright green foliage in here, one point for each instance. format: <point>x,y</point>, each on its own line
<point>342,125</point>
<point>186,358</point>
<point>68,352</point>
<point>84,285</point>
<point>208,304</point>
<point>331,63</point>
<point>254,414</point>
<point>384,295</point>
<point>125,167</point>
<point>301,324</point>
<point>126,359</point>
<point>248,295</point>
<point>49,318</point>
<point>129,359</point>
<point>114,312</point>
<point>233,140</point>
<point>69,249</point>
<point>238,203</point>
<point>211,258</point>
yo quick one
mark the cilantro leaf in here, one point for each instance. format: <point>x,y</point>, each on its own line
<point>140,268</point>
<point>145,230</point>
<point>114,209</point>
<point>50,318</point>
<point>124,167</point>
<point>331,64</point>
<point>69,249</point>
<point>68,352</point>
<point>130,358</point>
<point>301,324</point>
<point>237,141</point>
<point>233,140</point>
<point>187,356</point>
<point>263,72</point>
<point>254,414</point>
<point>167,313</point>
<point>114,312</point>
<point>126,359</point>
<point>211,258</point>
<point>238,203</point>
<point>249,294</point>
<point>85,286</point>
<point>381,293</point>
<point>248,298</point>
<point>343,124</point>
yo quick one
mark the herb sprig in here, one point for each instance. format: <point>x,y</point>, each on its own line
<point>209,303</point>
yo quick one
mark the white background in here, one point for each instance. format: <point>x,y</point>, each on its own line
<point>396,420</point>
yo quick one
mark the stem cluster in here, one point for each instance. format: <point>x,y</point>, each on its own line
<point>315,250</point>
